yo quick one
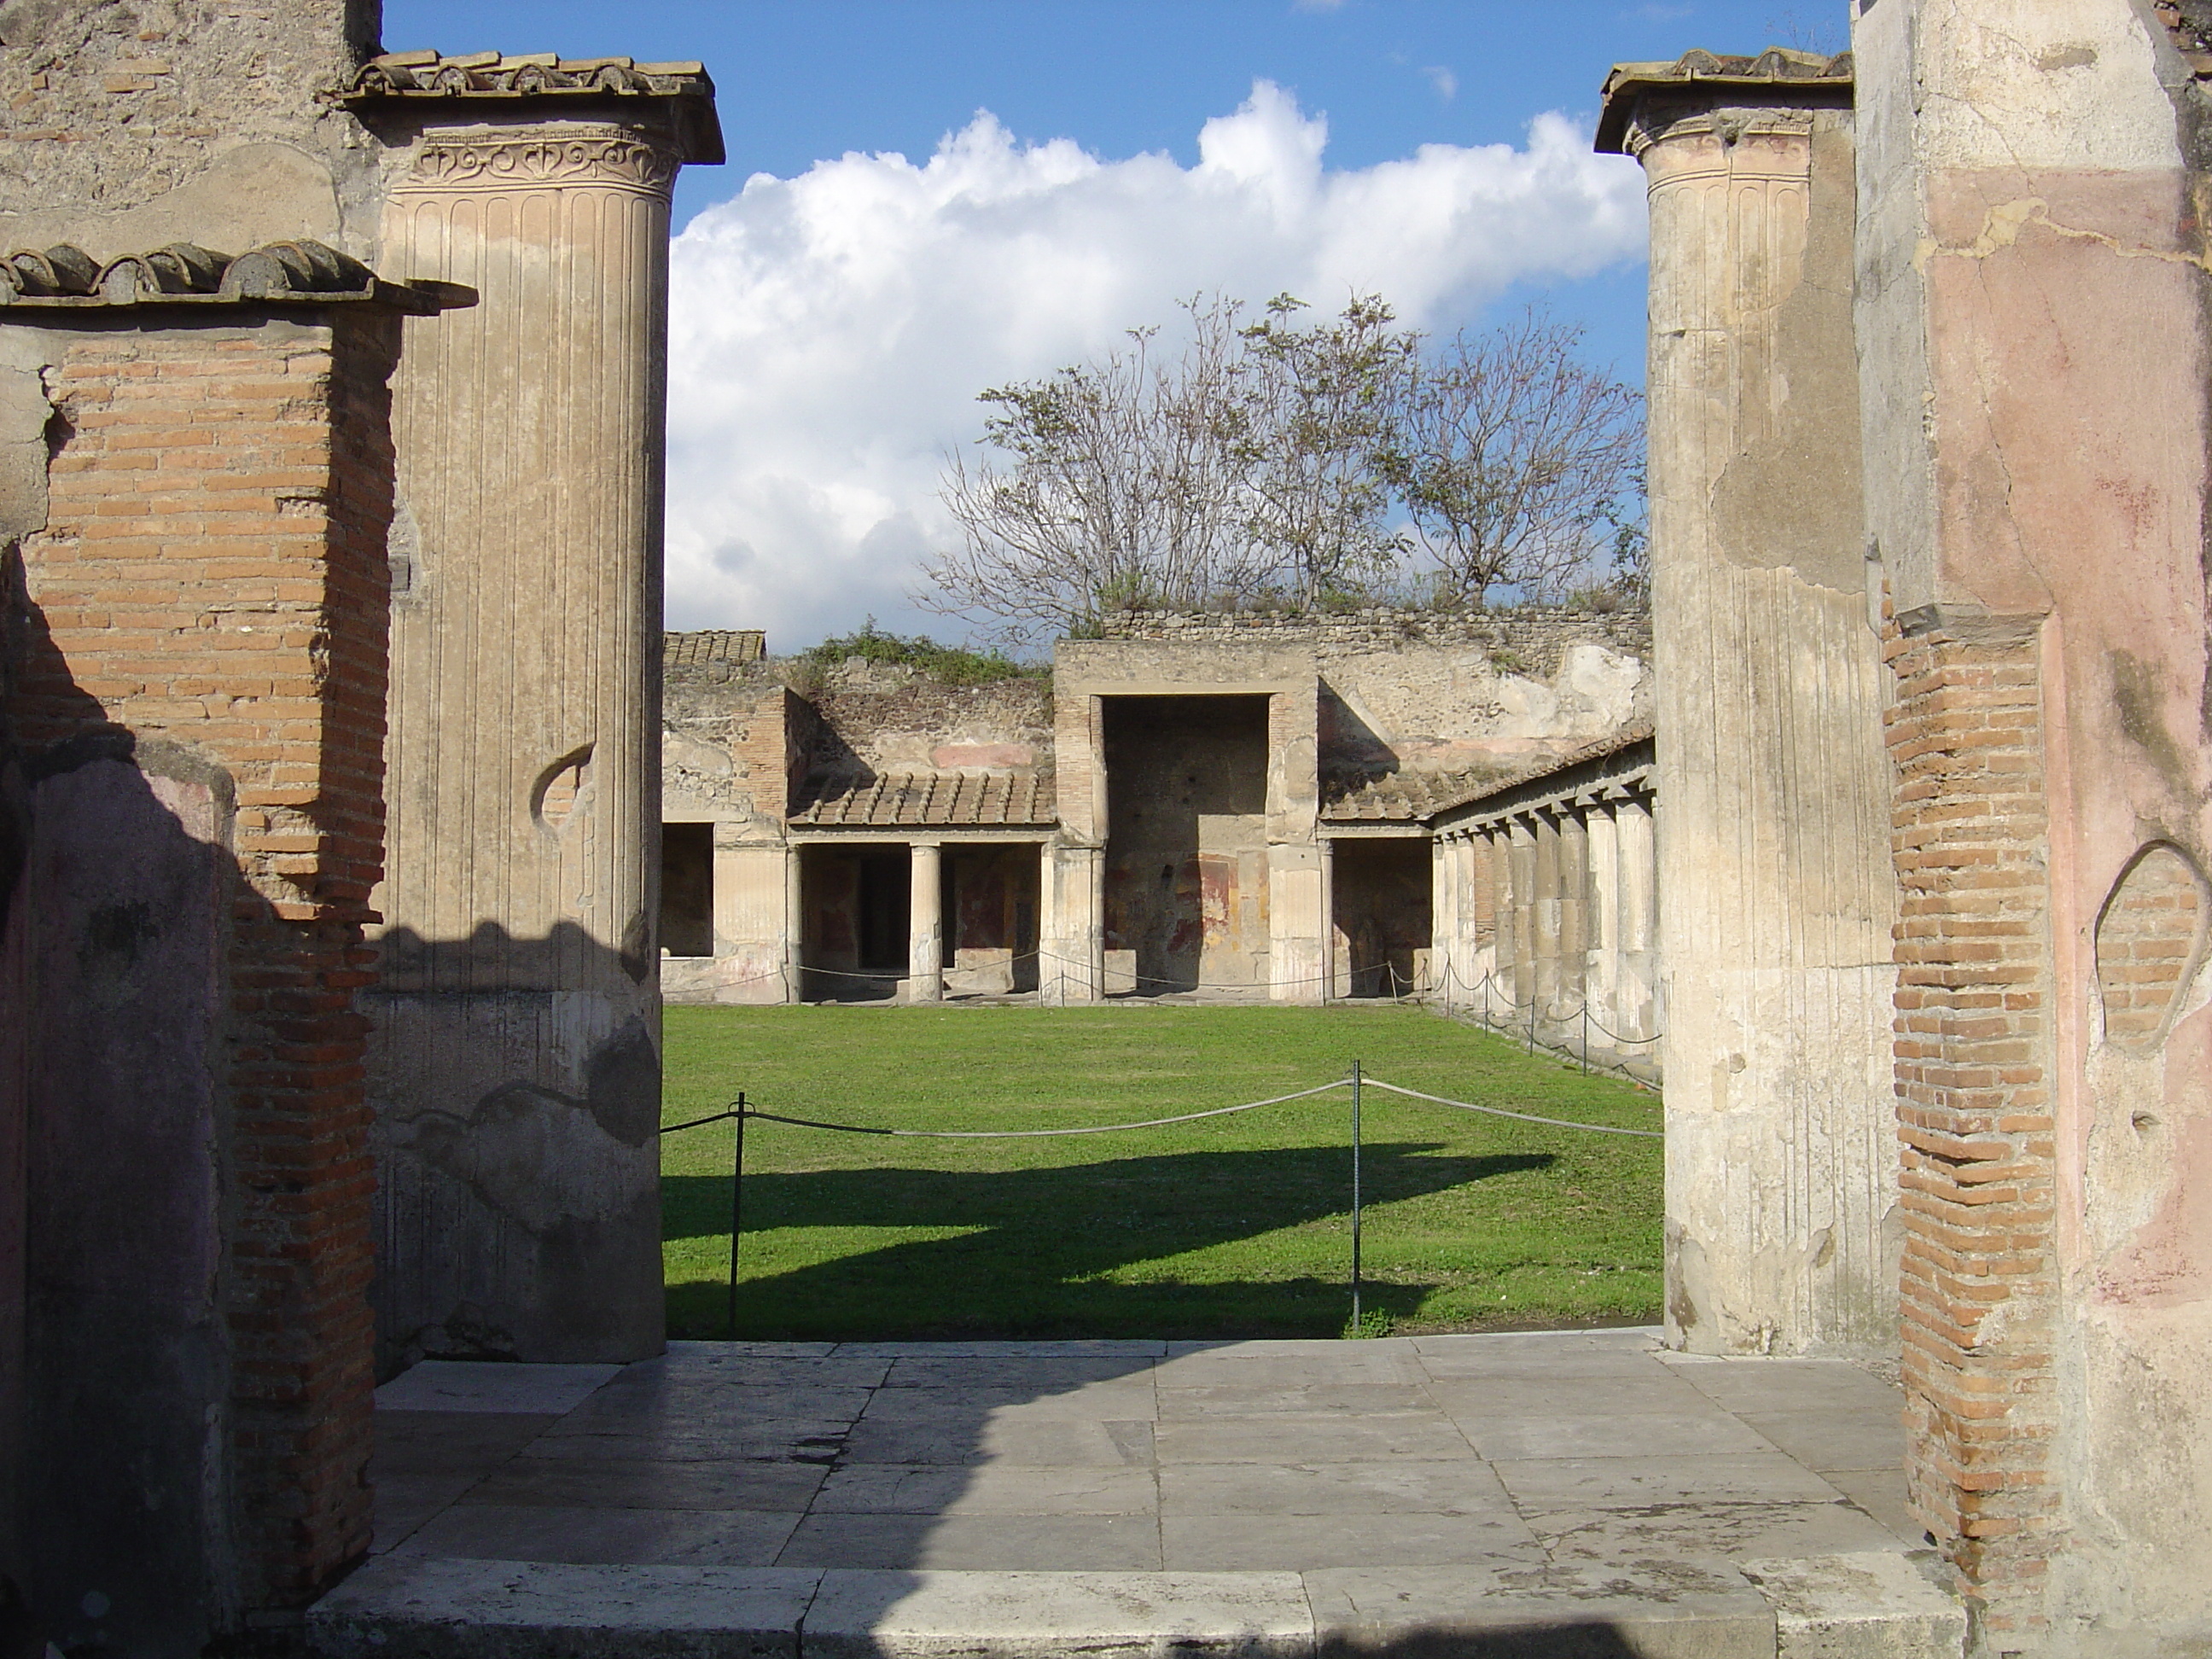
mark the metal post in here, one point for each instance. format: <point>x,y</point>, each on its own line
<point>1585,1035</point>
<point>1355,1198</point>
<point>736,1210</point>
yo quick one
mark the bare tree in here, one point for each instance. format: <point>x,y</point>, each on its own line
<point>1122,486</point>
<point>1327,402</point>
<point>1518,461</point>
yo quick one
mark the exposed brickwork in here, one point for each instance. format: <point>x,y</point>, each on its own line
<point>213,575</point>
<point>1974,1072</point>
<point>2145,942</point>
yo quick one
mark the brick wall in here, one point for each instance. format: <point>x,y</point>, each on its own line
<point>212,577</point>
<point>1974,1072</point>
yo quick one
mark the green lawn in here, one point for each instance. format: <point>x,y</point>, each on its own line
<point>1231,1226</point>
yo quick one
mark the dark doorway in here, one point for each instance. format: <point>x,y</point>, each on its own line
<point>1382,904</point>
<point>687,889</point>
<point>991,894</point>
<point>855,903</point>
<point>1186,839</point>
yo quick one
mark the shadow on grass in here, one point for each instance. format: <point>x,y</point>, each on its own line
<point>1046,1235</point>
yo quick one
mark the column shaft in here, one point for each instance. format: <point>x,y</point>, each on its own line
<point>925,972</point>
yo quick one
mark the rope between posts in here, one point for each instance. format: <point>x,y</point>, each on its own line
<point>1024,1134</point>
<point>1524,1117</point>
<point>755,1112</point>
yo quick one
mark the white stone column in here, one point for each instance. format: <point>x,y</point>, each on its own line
<point>794,921</point>
<point>1546,919</point>
<point>1639,918</point>
<point>751,945</point>
<point>515,1065</point>
<point>1072,964</point>
<point>1443,916</point>
<point>1521,866</point>
<point>925,970</point>
<point>1775,867</point>
<point>1601,964</point>
<point>1574,914</point>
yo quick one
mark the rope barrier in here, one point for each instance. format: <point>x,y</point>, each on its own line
<point>1025,1134</point>
<point>1524,1117</point>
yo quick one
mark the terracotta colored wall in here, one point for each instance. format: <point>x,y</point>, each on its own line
<point>199,703</point>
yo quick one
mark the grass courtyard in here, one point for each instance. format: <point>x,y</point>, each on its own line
<point>1230,1227</point>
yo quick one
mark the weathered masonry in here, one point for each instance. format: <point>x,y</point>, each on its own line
<point>1244,803</point>
<point>291,674</point>
<point>1931,413</point>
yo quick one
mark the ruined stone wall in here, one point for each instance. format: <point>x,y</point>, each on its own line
<point>1423,691</point>
<point>131,123</point>
<point>200,631</point>
<point>884,720</point>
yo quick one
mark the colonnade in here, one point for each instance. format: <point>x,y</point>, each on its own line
<point>1547,910</point>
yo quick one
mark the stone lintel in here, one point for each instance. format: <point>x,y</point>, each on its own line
<point>539,86</point>
<point>1699,81</point>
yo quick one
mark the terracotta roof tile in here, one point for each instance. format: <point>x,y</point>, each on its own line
<point>927,800</point>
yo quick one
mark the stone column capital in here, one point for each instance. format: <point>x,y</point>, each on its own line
<point>477,160</point>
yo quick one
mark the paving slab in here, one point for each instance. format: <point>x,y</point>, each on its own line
<point>650,1401</point>
<point>639,1483</point>
<point>1559,1613</point>
<point>451,1443</point>
<point>1315,1399</point>
<point>1710,1533</point>
<point>1880,1493</point>
<point>1227,1543</point>
<point>1622,1434</point>
<point>1836,1440</point>
<point>772,1370</point>
<point>1652,1393</point>
<point>1030,1615</point>
<point>441,1607</point>
<point>1340,1489</point>
<point>1036,1543</point>
<point>1008,1371</point>
<point>1282,1439</point>
<point>779,1439</point>
<point>1096,1402</point>
<point>994,1489</point>
<point>1783,1385</point>
<point>1528,1493</point>
<point>1612,1483</point>
<point>404,1502</point>
<point>1043,1442</point>
<point>1877,1605</point>
<point>584,1536</point>
<point>474,1385</point>
<point>1073,1347</point>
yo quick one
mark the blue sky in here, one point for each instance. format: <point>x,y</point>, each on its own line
<point>805,534</point>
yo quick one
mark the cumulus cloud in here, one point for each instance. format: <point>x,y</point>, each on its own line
<point>829,332</point>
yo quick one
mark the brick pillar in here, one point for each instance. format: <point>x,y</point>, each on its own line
<point>203,704</point>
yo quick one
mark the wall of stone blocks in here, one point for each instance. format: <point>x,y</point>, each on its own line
<point>199,705</point>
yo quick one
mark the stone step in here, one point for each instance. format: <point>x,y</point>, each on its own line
<point>1838,1606</point>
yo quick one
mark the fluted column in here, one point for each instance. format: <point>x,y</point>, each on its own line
<point>1574,911</point>
<point>1781,1156</point>
<point>1546,916</point>
<point>1520,867</point>
<point>1640,919</point>
<point>925,970</point>
<point>1601,960</point>
<point>515,1069</point>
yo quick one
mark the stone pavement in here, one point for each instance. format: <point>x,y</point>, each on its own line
<point>1555,1493</point>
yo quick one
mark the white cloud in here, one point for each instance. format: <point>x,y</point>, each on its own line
<point>1445,83</point>
<point>828,333</point>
